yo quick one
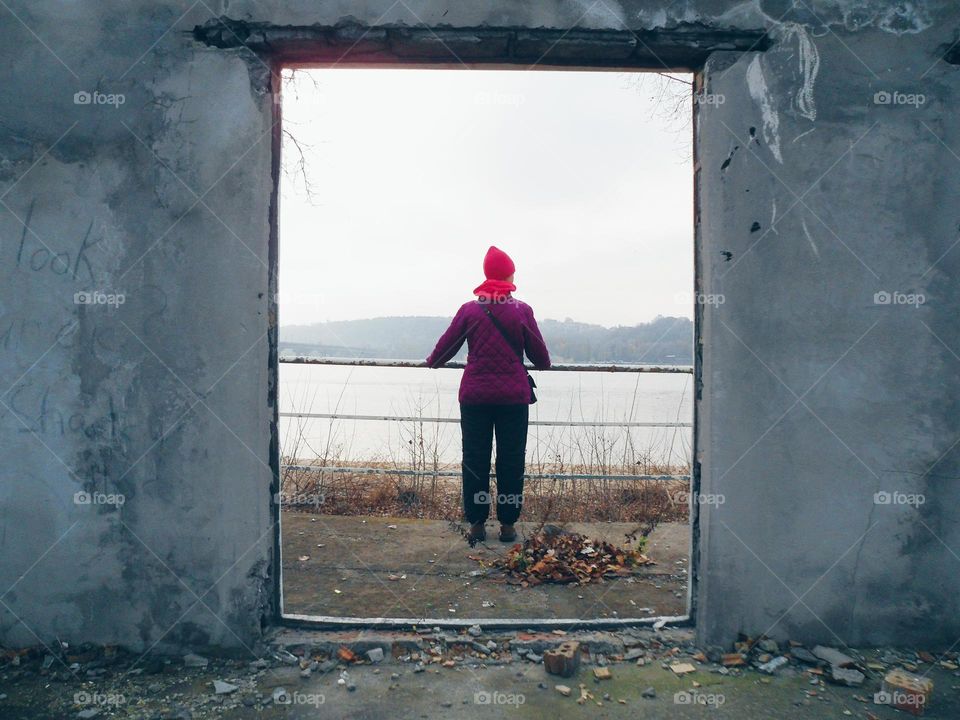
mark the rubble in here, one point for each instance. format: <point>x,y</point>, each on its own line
<point>833,657</point>
<point>846,676</point>
<point>804,656</point>
<point>564,660</point>
<point>771,666</point>
<point>905,691</point>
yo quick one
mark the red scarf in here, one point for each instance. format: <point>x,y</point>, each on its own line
<point>494,289</point>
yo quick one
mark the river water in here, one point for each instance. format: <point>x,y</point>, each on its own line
<point>422,392</point>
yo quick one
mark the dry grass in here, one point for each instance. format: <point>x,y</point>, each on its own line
<point>438,498</point>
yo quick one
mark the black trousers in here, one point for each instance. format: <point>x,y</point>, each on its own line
<point>478,424</point>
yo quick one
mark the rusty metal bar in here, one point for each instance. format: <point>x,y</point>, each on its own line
<point>561,367</point>
<point>415,418</point>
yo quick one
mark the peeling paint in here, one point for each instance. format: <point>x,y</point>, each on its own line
<point>905,18</point>
<point>757,86</point>
<point>809,59</point>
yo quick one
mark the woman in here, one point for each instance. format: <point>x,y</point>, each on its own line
<point>495,392</point>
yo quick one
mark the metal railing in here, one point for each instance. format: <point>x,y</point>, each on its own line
<point>360,362</point>
<point>364,362</point>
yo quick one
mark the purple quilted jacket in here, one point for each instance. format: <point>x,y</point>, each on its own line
<point>494,373</point>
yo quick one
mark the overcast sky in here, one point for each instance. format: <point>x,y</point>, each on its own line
<point>414,173</point>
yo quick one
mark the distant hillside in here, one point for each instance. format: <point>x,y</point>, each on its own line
<point>664,340</point>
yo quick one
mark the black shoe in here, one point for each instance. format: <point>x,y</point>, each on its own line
<point>507,533</point>
<point>477,532</point>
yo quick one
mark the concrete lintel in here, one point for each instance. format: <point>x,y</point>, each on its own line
<point>685,46</point>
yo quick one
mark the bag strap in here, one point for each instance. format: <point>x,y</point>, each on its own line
<point>504,333</point>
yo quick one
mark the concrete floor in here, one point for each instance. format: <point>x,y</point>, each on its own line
<point>434,574</point>
<point>524,690</point>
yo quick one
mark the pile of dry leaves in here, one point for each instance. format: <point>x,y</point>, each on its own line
<point>552,556</point>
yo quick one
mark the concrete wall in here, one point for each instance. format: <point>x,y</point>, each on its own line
<point>817,194</point>
<point>165,398</point>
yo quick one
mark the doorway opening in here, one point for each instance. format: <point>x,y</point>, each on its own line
<point>394,183</point>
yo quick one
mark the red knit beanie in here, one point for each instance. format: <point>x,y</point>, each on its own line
<point>497,265</point>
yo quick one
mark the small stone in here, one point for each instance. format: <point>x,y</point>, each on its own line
<point>375,655</point>
<point>833,657</point>
<point>682,668</point>
<point>563,690</point>
<point>194,661</point>
<point>221,687</point>
<point>649,693</point>
<point>88,713</point>
<point>773,665</point>
<point>846,676</point>
<point>351,686</point>
<point>475,630</point>
<point>768,645</point>
<point>418,668</point>
<point>602,673</point>
<point>394,676</point>
<point>805,656</point>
